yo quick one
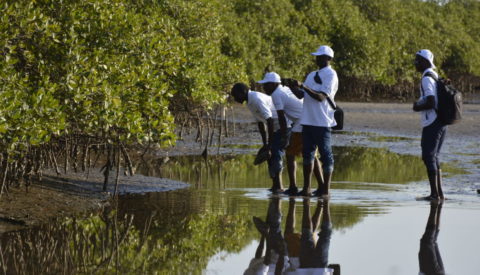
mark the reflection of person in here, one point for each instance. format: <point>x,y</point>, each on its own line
<point>317,118</point>
<point>288,107</point>
<point>276,257</point>
<point>294,254</point>
<point>429,256</point>
<point>261,106</point>
<point>434,130</point>
<point>314,255</point>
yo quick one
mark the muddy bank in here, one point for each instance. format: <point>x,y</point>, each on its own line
<point>70,195</point>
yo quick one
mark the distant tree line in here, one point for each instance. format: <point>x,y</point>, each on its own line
<point>91,77</point>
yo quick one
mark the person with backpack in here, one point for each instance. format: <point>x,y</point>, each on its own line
<point>434,129</point>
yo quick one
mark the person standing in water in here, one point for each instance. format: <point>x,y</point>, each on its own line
<point>261,107</point>
<point>317,119</point>
<point>434,131</point>
<point>289,108</point>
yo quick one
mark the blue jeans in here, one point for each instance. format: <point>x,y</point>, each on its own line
<point>318,137</point>
<point>275,164</point>
<point>432,140</point>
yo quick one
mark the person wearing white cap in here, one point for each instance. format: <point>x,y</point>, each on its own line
<point>319,89</point>
<point>261,107</point>
<point>433,132</point>
<point>289,108</point>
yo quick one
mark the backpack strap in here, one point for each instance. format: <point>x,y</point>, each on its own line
<point>428,74</point>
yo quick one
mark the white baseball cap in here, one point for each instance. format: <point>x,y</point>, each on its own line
<point>324,50</point>
<point>270,77</point>
<point>427,54</point>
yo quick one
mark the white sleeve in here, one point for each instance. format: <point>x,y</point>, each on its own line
<point>263,110</point>
<point>278,100</point>
<point>328,82</point>
<point>429,86</point>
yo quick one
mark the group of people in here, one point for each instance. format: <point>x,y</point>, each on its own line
<point>299,118</point>
<point>307,251</point>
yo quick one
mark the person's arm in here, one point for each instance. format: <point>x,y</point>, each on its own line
<point>298,93</point>
<point>428,91</point>
<point>282,120</point>
<point>270,131</point>
<point>427,104</point>
<point>263,133</point>
<point>320,96</point>
<point>294,86</point>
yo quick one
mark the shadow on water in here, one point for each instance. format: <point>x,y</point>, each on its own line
<point>181,231</point>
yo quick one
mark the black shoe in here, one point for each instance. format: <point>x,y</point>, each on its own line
<point>291,191</point>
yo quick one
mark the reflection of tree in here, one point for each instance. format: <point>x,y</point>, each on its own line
<point>108,244</point>
<point>361,164</point>
<point>357,164</point>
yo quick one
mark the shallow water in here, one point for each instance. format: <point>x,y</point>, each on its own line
<point>208,228</point>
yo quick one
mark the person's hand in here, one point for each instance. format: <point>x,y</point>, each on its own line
<point>291,83</point>
<point>284,141</point>
<point>415,107</point>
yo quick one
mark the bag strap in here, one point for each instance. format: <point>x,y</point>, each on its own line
<point>429,74</point>
<point>318,80</point>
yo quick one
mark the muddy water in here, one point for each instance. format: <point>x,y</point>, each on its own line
<point>376,222</point>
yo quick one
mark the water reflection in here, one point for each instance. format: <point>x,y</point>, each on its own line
<point>352,165</point>
<point>181,232</point>
<point>294,253</point>
<point>429,258</point>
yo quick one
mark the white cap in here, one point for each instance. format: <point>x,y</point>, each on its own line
<point>270,77</point>
<point>324,50</point>
<point>428,55</point>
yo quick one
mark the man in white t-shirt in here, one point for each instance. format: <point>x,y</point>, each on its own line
<point>289,108</point>
<point>318,90</point>
<point>261,106</point>
<point>434,130</point>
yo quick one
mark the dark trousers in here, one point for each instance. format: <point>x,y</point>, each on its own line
<point>432,140</point>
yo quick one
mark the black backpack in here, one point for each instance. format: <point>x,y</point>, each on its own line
<point>450,105</point>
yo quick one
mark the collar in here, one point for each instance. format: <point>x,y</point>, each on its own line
<point>326,67</point>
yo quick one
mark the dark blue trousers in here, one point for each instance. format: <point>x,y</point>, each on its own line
<point>432,140</point>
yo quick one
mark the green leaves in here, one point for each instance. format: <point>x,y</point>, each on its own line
<point>124,68</point>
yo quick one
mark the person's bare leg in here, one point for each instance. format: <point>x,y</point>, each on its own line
<point>317,171</point>
<point>277,184</point>
<point>307,178</point>
<point>439,184</point>
<point>325,190</point>
<point>292,175</point>
<point>432,180</point>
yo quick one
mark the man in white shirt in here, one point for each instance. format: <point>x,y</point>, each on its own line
<point>261,106</point>
<point>433,132</point>
<point>317,118</point>
<point>289,108</point>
